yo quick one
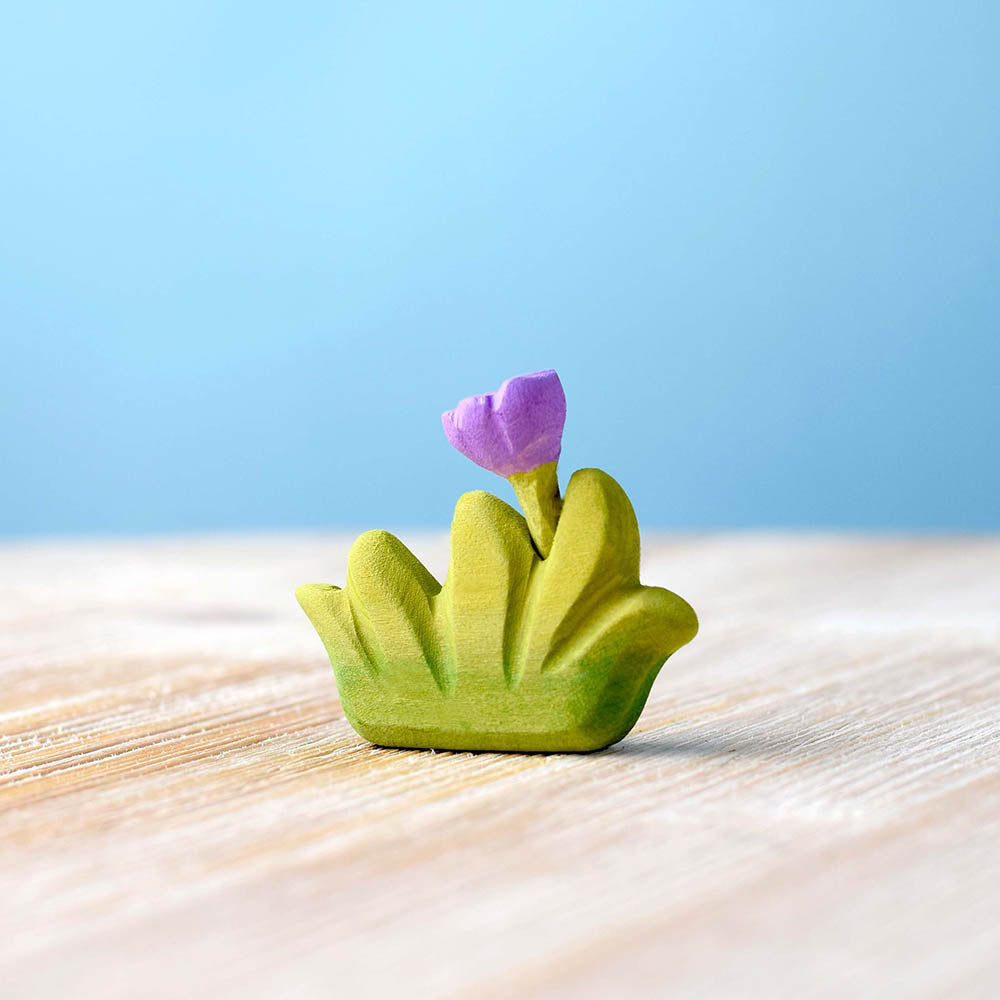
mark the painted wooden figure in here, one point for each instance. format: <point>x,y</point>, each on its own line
<point>541,637</point>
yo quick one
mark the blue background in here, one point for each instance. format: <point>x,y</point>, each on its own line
<point>249,252</point>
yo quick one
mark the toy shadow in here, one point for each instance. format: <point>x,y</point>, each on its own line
<point>707,745</point>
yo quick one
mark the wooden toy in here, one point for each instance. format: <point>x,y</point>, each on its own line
<point>541,637</point>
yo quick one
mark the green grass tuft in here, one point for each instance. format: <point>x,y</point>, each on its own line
<point>513,652</point>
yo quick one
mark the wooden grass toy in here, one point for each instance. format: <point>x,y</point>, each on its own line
<point>541,637</point>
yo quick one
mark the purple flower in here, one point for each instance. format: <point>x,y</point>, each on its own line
<point>515,429</point>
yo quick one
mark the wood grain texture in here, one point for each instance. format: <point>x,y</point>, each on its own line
<point>809,805</point>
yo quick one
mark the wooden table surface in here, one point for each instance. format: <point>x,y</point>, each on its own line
<point>808,807</point>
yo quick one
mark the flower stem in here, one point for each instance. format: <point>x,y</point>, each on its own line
<point>538,494</point>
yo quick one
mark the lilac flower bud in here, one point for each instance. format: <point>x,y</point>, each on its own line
<point>515,429</point>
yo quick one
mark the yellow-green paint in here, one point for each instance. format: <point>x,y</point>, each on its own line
<point>514,651</point>
<point>538,494</point>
